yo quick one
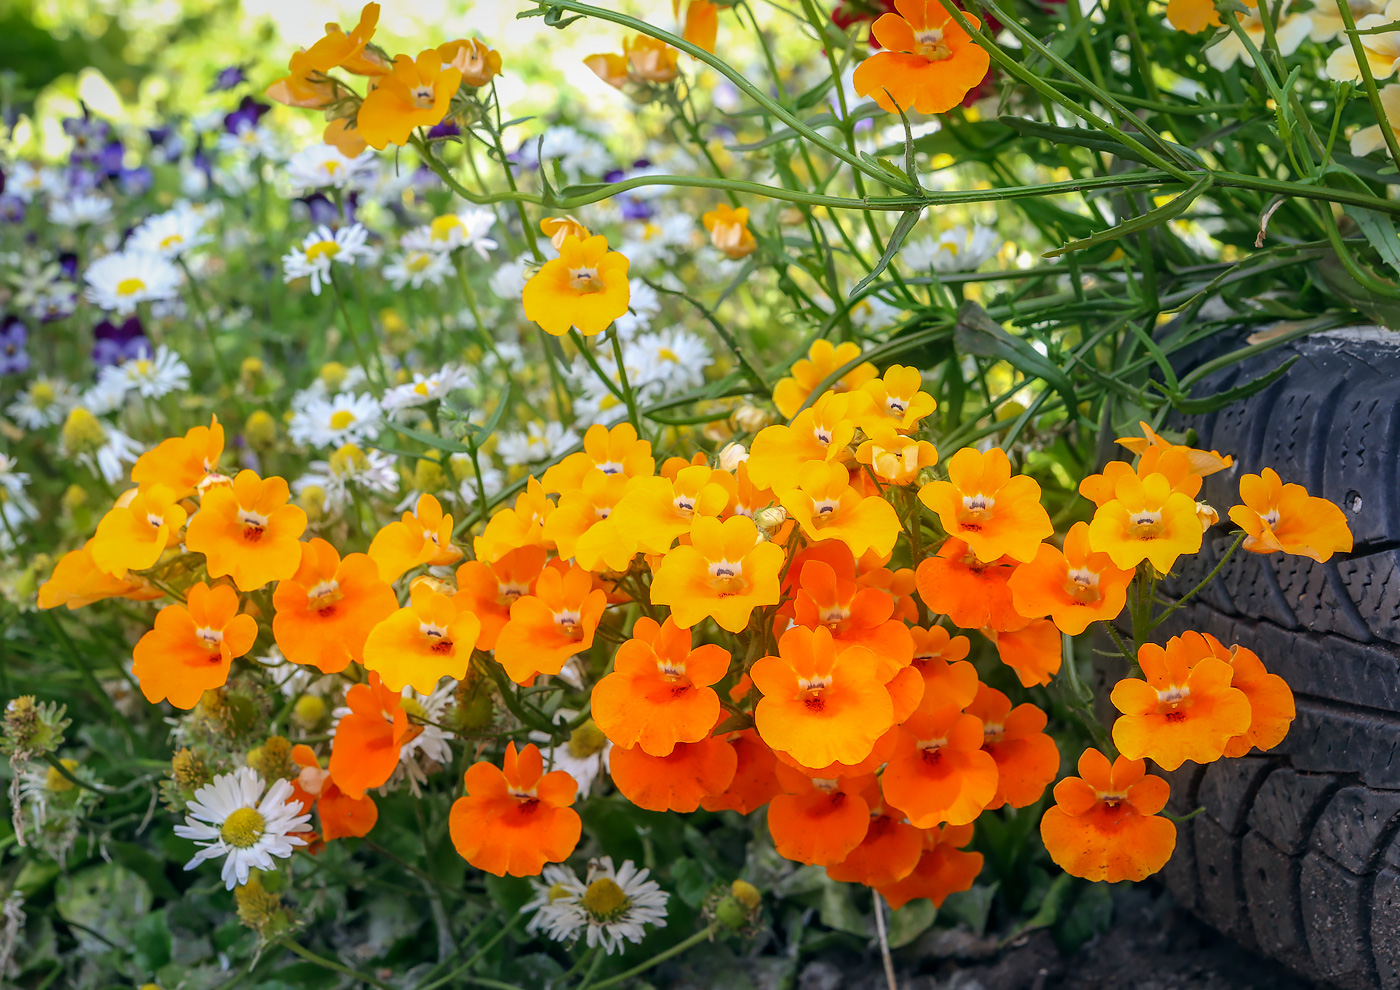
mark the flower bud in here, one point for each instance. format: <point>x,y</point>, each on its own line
<point>32,728</point>
<point>750,419</point>
<point>731,455</point>
<point>83,433</point>
<point>333,374</point>
<point>75,498</point>
<point>250,373</point>
<point>260,430</point>
<point>313,502</point>
<point>737,909</point>
<point>770,519</point>
<point>309,711</point>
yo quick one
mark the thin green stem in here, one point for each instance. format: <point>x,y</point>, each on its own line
<point>701,936</point>
<point>1214,573</point>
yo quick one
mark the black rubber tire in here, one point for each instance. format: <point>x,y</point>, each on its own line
<point>1297,853</point>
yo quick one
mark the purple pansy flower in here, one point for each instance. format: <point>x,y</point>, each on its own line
<point>14,355</point>
<point>249,112</point>
<point>114,344</point>
<point>228,77</point>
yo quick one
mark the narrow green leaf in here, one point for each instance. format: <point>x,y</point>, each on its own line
<point>1380,233</point>
<point>907,219</point>
<point>1210,403</point>
<point>1148,220</point>
<point>977,333</point>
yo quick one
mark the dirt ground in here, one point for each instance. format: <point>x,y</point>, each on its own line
<point>1152,946</point>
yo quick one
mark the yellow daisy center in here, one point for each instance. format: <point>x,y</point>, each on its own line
<point>174,240</point>
<point>322,249</point>
<point>341,419</point>
<point>605,900</point>
<point>130,286</point>
<point>444,226</point>
<point>243,828</point>
<point>585,741</point>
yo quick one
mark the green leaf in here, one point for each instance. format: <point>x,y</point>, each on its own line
<point>152,942</point>
<point>691,880</point>
<point>838,909</point>
<point>146,866</point>
<point>1210,403</point>
<point>1091,914</point>
<point>977,333</point>
<point>433,440</point>
<point>973,906</point>
<point>1146,221</point>
<point>907,219</point>
<point>1380,233</point>
<point>485,432</point>
<point>1052,905</point>
<point>911,921</point>
<point>1084,137</point>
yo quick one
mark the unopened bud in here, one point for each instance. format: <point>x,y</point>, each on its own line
<point>83,433</point>
<point>260,429</point>
<point>309,711</point>
<point>750,419</point>
<point>731,455</point>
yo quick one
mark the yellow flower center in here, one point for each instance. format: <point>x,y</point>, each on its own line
<point>55,782</point>
<point>929,44</point>
<point>684,506</point>
<point>171,241</point>
<point>438,641</point>
<point>585,280</point>
<point>130,286</point>
<point>331,167</point>
<point>976,509</point>
<point>347,457</point>
<point>587,740</point>
<point>569,623</point>
<point>83,432</point>
<point>423,97</point>
<point>322,249</point>
<point>324,595</point>
<point>142,366</point>
<point>414,708</point>
<point>210,639</point>
<point>445,226</point>
<point>243,828</point>
<point>605,900</point>
<point>558,892</point>
<point>824,510</point>
<point>254,524</point>
<point>1145,525</point>
<point>666,354</point>
<point>727,578</point>
<point>41,394</point>
<point>418,261</point>
<point>1082,585</point>
<point>341,418</point>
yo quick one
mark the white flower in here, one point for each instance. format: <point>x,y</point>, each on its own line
<point>418,268</point>
<point>1368,139</point>
<point>12,485</point>
<point>121,280</point>
<point>235,177</point>
<point>233,818</point>
<point>453,230</point>
<point>641,307</point>
<point>1291,31</point>
<point>584,755</point>
<point>346,418</point>
<point>350,467</point>
<point>45,402</point>
<point>430,749</point>
<point>107,394</point>
<point>84,208</point>
<point>170,234</point>
<point>492,480</point>
<point>577,153</point>
<point>152,377</point>
<point>508,281</point>
<point>31,180</point>
<point>672,361</point>
<point>539,442</point>
<point>872,313</point>
<point>319,249</point>
<point>424,389</point>
<point>252,139</point>
<point>110,459</point>
<point>653,241</point>
<point>325,166</point>
<point>611,905</point>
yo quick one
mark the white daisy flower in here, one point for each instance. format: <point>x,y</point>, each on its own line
<point>675,360</point>
<point>162,373</point>
<point>107,394</point>
<point>233,818</point>
<point>12,486</point>
<point>170,234</point>
<point>653,241</point>
<point>417,269</point>
<point>430,749</point>
<point>585,755</point>
<point>641,307</point>
<point>252,139</point>
<point>872,313</point>
<point>453,230</point>
<point>110,459</point>
<point>492,479</point>
<point>955,250</point>
<point>324,166</point>
<point>508,281</point>
<point>577,153</point>
<point>31,180</point>
<point>123,279</point>
<point>84,208</point>
<point>319,249</point>
<point>347,418</point>
<point>45,402</point>
<point>539,442</point>
<point>235,177</point>
<point>611,906</point>
<point>373,472</point>
<point>424,389</point>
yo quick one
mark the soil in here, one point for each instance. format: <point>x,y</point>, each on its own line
<point>1152,945</point>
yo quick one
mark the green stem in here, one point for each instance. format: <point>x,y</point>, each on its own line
<point>1215,572</point>
<point>627,395</point>
<point>675,950</point>
<point>332,965</point>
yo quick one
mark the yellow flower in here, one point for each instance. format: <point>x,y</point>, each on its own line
<point>413,94</point>
<point>729,231</point>
<point>823,358</point>
<point>585,287</point>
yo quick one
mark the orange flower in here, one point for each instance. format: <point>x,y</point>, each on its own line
<point>650,60</point>
<point>585,287</point>
<point>677,781</point>
<point>515,818</point>
<point>818,821</point>
<point>651,515</point>
<point>899,400</point>
<point>137,530</point>
<point>929,63</point>
<point>983,505</point>
<point>477,62</point>
<point>307,84</point>
<point>77,581</point>
<point>1027,759</point>
<point>327,608</point>
<point>943,868</point>
<point>1271,707</point>
<point>611,68</point>
<point>659,692</point>
<point>1192,16</point>
<point>948,683</point>
<point>584,510</point>
<point>616,451</point>
<point>511,528</point>
<point>1105,825</point>
<point>423,536</point>
<point>368,739</point>
<point>551,625</point>
<point>1034,651</point>
<point>1074,587</point>
<point>936,643</point>
<point>1173,462</point>
<point>856,616</point>
<point>414,93</point>
<point>192,645</point>
<point>340,134</point>
<point>971,592</point>
<point>822,359</point>
<point>558,228</point>
<point>899,585</point>
<point>828,508</point>
<point>181,463</point>
<point>725,573</point>
<point>341,815</point>
<point>1202,462</point>
<point>489,590</point>
<point>729,230</point>
<point>888,853</point>
<point>701,23</point>
<point>820,706</point>
<point>1146,520</point>
<point>821,432</point>
<point>422,643</point>
<point>1285,517</point>
<point>1185,709</point>
<point>938,771</point>
<point>755,780</point>
<point>248,531</point>
<point>894,457</point>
